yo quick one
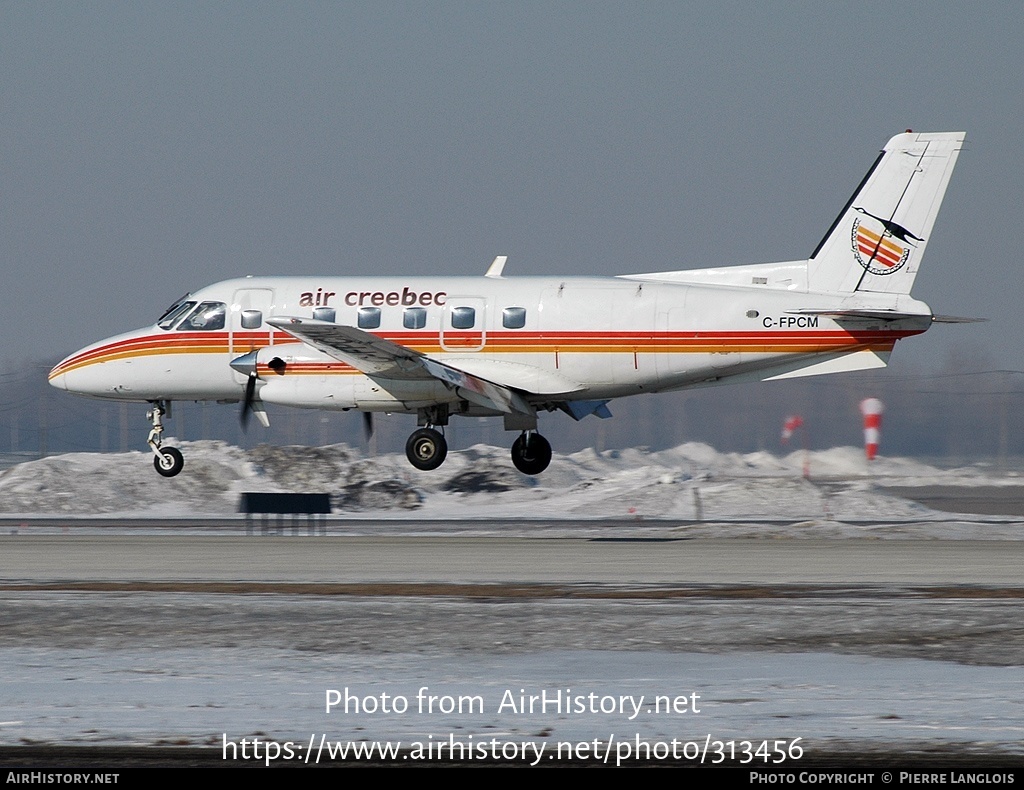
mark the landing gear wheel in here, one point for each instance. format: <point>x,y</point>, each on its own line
<point>531,453</point>
<point>426,449</point>
<point>169,462</point>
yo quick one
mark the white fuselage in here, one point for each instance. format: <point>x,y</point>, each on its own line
<point>554,338</point>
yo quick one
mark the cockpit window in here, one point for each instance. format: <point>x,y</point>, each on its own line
<point>209,315</point>
<point>173,313</point>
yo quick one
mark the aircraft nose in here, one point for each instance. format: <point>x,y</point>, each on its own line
<point>108,368</point>
<point>79,373</point>
<point>58,376</point>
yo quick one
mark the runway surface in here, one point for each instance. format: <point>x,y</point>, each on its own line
<point>881,646</point>
<point>317,559</point>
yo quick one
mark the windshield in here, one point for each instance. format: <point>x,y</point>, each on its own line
<point>173,313</point>
<point>209,315</point>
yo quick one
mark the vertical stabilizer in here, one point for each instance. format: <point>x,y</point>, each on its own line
<point>878,240</point>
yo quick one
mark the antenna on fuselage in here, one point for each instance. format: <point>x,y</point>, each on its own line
<point>496,267</point>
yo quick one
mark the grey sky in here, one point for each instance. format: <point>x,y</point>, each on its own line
<point>151,148</point>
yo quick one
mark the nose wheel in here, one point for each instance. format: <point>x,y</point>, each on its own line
<point>531,453</point>
<point>426,449</point>
<point>168,461</point>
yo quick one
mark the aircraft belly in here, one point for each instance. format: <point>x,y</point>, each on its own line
<point>684,367</point>
<point>623,371</point>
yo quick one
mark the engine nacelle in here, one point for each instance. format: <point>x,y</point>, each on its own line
<point>293,374</point>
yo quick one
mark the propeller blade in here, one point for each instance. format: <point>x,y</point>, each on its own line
<point>250,395</point>
<point>368,425</point>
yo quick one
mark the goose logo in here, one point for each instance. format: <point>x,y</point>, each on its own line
<point>881,246</point>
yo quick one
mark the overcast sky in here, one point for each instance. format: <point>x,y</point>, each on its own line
<point>151,148</point>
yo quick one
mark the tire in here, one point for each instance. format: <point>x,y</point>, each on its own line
<point>531,453</point>
<point>426,449</point>
<point>170,461</point>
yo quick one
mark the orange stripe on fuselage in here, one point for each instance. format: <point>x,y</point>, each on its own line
<point>680,342</point>
<point>144,346</point>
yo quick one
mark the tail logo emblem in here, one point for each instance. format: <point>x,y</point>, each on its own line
<point>881,246</point>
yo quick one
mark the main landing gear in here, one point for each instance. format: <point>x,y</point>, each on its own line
<point>427,449</point>
<point>168,461</point>
<point>531,453</point>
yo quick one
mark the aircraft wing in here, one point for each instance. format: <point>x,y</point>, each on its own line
<point>367,353</point>
<point>381,358</point>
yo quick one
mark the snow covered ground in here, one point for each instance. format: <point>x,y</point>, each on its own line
<point>692,482</point>
<point>197,697</point>
<point>193,668</point>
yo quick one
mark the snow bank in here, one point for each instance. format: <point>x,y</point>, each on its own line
<point>692,482</point>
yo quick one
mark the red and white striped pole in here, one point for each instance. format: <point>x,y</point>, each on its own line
<point>789,427</point>
<point>872,409</point>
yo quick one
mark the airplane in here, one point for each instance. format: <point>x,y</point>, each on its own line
<point>440,347</point>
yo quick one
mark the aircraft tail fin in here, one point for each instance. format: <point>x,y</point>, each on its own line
<point>878,239</point>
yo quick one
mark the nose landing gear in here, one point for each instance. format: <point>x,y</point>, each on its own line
<point>531,453</point>
<point>168,461</point>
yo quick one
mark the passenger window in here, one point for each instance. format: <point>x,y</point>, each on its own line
<point>414,317</point>
<point>328,314</point>
<point>513,317</point>
<point>463,317</point>
<point>208,316</point>
<point>369,317</point>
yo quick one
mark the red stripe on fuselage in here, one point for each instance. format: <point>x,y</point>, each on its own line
<point>689,341</point>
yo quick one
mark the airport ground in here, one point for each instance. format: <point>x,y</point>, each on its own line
<point>759,625</point>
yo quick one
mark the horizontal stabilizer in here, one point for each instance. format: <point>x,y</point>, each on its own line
<point>884,315</point>
<point>955,319</point>
<point>874,315</point>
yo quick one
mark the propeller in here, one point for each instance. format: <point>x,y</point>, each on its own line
<point>246,364</point>
<point>250,396</point>
<point>367,426</point>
